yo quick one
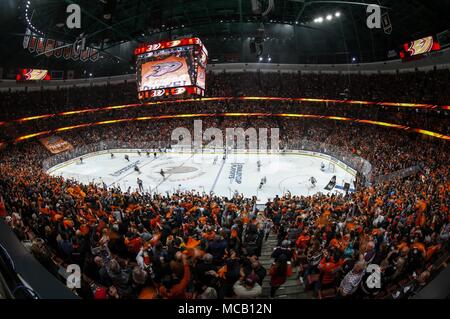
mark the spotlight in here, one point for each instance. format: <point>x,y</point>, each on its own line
<point>329,17</point>
<point>337,14</point>
<point>260,59</point>
<point>319,20</point>
<point>269,59</point>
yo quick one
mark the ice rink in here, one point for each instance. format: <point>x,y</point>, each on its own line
<point>209,173</point>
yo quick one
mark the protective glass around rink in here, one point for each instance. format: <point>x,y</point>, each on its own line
<point>211,171</point>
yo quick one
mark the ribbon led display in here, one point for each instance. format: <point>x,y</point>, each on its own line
<point>310,100</point>
<point>283,115</point>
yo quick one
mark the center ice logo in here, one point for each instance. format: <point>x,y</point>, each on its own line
<point>181,170</point>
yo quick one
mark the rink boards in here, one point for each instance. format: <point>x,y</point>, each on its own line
<point>188,171</point>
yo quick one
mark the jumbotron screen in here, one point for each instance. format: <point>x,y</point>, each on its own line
<point>419,47</point>
<point>33,75</point>
<point>174,68</point>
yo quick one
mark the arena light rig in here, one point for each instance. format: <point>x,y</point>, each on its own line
<point>68,128</point>
<point>212,99</point>
<point>30,136</point>
<point>199,115</point>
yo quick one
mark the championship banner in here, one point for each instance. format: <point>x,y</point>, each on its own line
<point>84,56</point>
<point>26,38</point>
<point>67,52</point>
<point>95,54</point>
<point>76,50</point>
<point>55,144</point>
<point>58,49</point>
<point>50,45</point>
<point>32,44</point>
<point>40,45</point>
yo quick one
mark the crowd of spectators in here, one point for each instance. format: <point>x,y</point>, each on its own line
<point>134,244</point>
<point>432,120</point>
<point>411,87</point>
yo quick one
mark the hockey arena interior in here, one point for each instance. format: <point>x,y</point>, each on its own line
<point>226,149</point>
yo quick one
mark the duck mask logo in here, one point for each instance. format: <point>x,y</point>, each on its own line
<point>165,68</point>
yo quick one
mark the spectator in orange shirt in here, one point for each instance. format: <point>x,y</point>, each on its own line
<point>171,290</point>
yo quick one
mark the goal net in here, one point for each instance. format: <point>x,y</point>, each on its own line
<point>331,168</point>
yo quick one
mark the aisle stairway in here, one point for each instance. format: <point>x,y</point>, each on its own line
<point>291,289</point>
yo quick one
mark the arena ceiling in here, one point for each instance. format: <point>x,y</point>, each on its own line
<point>288,32</point>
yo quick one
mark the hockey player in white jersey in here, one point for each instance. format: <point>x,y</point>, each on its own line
<point>322,167</point>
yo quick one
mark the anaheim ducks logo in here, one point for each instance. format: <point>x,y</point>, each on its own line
<point>165,68</point>
<point>180,170</point>
<point>421,46</point>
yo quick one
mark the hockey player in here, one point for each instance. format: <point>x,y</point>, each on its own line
<point>258,163</point>
<point>263,181</point>
<point>154,154</point>
<point>313,181</point>
<point>322,167</point>
<point>127,158</point>
<point>81,160</point>
<point>139,153</point>
<point>147,154</point>
<point>162,173</point>
<point>215,160</point>
<point>112,156</point>
<point>136,169</point>
<point>140,185</point>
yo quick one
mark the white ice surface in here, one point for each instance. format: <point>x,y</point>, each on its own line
<point>284,172</point>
